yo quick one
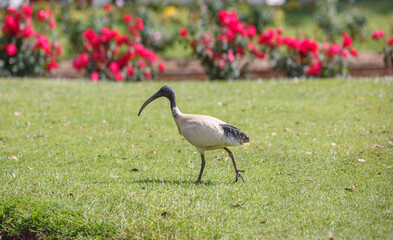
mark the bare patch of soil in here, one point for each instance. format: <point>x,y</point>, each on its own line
<point>25,234</point>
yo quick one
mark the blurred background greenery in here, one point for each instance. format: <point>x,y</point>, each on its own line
<point>323,20</point>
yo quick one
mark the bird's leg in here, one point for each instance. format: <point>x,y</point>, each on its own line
<point>202,167</point>
<point>235,165</point>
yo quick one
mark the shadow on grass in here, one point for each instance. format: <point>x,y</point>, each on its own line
<point>175,182</point>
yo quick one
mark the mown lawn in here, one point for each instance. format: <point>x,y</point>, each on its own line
<point>77,162</point>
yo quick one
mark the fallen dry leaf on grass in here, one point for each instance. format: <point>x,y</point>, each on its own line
<point>222,158</point>
<point>377,146</point>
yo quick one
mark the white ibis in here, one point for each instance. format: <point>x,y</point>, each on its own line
<point>204,132</point>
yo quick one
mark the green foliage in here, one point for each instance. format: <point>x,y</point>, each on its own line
<point>160,31</point>
<point>77,163</point>
<point>261,17</point>
<point>75,18</point>
<point>333,23</point>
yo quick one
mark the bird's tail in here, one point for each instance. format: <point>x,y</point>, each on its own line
<point>236,134</point>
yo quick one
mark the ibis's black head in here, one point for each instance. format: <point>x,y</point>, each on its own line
<point>165,91</point>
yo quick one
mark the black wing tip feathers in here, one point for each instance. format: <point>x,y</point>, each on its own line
<point>239,135</point>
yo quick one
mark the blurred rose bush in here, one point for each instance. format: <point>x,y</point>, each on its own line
<point>297,57</point>
<point>108,54</point>
<point>25,51</point>
<point>224,48</point>
<point>387,48</point>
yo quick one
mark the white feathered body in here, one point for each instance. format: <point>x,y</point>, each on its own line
<point>206,132</point>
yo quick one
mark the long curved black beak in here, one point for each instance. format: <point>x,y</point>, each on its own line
<point>151,99</point>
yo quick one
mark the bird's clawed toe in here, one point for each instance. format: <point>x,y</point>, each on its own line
<point>239,175</point>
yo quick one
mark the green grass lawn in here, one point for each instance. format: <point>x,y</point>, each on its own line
<point>76,161</point>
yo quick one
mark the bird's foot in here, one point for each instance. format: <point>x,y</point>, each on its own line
<point>239,175</point>
<point>199,181</point>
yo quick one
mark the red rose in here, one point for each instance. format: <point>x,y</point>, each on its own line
<point>41,15</point>
<point>52,24</point>
<point>11,25</point>
<point>11,9</point>
<point>307,46</point>
<point>127,18</point>
<point>115,34</point>
<point>280,30</point>
<point>230,35</point>
<point>77,63</point>
<point>231,57</point>
<point>378,34</point>
<point>390,41</point>
<point>315,68</point>
<point>354,52</point>
<point>28,11</point>
<point>251,46</point>
<point>106,34</point>
<point>333,50</point>
<point>10,49</point>
<point>161,67</point>
<point>122,39</point>
<point>240,51</point>
<point>150,55</point>
<point>259,54</point>
<point>107,7</point>
<point>139,24</point>
<point>251,31</point>
<point>347,40</point>
<point>89,34</point>
<point>222,63</point>
<point>28,31</point>
<point>147,75</point>
<point>48,12</point>
<point>345,53</point>
<point>43,43</point>
<point>58,48</point>
<point>51,65</point>
<point>267,37</point>
<point>94,76</point>
<point>84,59</point>
<point>183,32</point>
<point>142,64</point>
<point>130,71</point>
<point>119,76</point>
<point>114,67</point>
